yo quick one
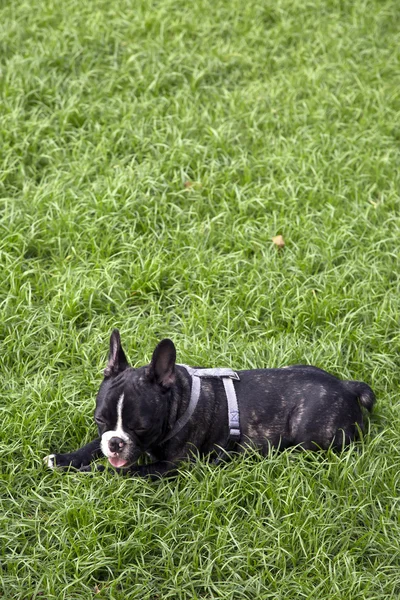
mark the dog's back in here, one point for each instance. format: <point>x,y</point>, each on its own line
<point>300,405</point>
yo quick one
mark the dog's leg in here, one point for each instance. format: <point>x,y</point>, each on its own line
<point>80,458</point>
<point>152,471</point>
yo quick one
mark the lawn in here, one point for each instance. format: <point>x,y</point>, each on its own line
<point>149,151</point>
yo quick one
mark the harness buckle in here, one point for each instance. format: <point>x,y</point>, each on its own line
<point>234,434</point>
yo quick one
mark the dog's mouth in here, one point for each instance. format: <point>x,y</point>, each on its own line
<point>143,458</point>
<point>117,462</point>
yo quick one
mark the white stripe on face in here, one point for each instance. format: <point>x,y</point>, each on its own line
<point>117,432</point>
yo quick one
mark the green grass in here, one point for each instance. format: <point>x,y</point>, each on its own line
<point>285,117</point>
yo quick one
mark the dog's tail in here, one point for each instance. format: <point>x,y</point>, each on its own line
<point>364,393</point>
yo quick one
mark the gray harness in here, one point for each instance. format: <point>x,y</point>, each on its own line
<point>227,376</point>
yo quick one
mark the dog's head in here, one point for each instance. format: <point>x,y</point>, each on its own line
<point>132,405</point>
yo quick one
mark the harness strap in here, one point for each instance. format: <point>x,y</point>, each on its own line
<point>194,398</point>
<point>227,375</point>
<point>233,409</point>
<point>218,372</point>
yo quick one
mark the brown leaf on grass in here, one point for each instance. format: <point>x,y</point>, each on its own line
<point>278,241</point>
<point>192,184</point>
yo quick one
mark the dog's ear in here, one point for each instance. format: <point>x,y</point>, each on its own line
<point>162,366</point>
<point>116,359</point>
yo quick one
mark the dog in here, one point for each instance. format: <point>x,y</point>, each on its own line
<point>152,411</point>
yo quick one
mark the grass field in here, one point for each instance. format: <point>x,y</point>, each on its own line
<point>149,151</point>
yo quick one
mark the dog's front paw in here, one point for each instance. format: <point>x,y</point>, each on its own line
<point>49,461</point>
<point>62,461</point>
<point>75,460</point>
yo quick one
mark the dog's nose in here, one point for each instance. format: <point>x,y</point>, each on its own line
<point>116,444</point>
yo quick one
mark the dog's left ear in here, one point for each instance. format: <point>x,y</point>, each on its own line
<point>162,366</point>
<point>117,361</point>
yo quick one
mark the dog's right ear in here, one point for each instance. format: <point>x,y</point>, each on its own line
<point>162,366</point>
<point>116,359</point>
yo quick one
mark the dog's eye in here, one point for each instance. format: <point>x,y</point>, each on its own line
<point>140,431</point>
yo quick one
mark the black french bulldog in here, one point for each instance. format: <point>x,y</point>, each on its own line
<point>137,411</point>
